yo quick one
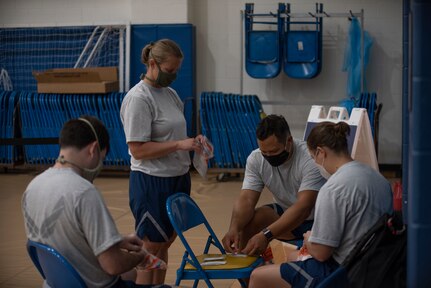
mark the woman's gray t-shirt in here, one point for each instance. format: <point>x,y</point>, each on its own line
<point>352,201</point>
<point>155,114</point>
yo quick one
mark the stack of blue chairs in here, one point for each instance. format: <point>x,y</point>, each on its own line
<point>8,100</point>
<point>43,115</point>
<point>368,100</point>
<point>230,121</point>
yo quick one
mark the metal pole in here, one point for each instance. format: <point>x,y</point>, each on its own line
<point>121,60</point>
<point>86,46</point>
<point>96,46</point>
<point>419,220</point>
<point>362,52</point>
<point>406,105</point>
<point>127,72</point>
<point>241,87</point>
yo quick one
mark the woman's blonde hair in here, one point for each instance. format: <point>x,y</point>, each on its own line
<point>160,51</point>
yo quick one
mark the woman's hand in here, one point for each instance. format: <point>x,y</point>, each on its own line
<point>191,144</point>
<point>188,144</point>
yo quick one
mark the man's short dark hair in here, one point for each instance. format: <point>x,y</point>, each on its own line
<point>77,133</point>
<point>273,125</point>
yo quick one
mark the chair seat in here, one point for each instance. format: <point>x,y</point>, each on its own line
<point>217,272</point>
<point>232,262</point>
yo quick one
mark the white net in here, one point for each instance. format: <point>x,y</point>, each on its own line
<point>5,82</point>
<point>24,50</point>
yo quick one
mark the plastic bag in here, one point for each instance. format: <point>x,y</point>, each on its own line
<point>200,160</point>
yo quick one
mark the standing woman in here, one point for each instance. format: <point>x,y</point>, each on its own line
<point>155,129</point>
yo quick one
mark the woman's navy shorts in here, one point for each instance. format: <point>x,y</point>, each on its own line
<point>147,200</point>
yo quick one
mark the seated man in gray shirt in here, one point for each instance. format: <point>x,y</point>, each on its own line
<point>285,167</point>
<point>63,209</point>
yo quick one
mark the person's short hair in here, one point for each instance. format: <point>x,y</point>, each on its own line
<point>160,51</point>
<point>273,125</point>
<point>331,135</point>
<point>78,134</point>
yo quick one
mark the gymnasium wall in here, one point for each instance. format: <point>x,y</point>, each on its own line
<point>219,31</point>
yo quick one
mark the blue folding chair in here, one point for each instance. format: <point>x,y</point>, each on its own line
<point>184,215</point>
<point>303,49</point>
<point>338,279</point>
<point>263,48</point>
<point>53,267</point>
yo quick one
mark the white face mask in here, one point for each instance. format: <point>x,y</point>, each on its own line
<point>325,174</point>
<point>91,174</point>
<point>87,173</point>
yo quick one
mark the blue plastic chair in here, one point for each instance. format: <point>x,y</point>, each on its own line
<point>303,49</point>
<point>263,48</point>
<point>53,267</point>
<point>184,215</point>
<point>338,279</point>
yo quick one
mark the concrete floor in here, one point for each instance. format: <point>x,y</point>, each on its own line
<point>16,269</point>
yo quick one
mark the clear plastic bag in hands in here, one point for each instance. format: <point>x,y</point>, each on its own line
<point>206,146</point>
<point>200,160</point>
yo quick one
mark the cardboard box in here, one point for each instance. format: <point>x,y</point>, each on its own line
<point>77,80</point>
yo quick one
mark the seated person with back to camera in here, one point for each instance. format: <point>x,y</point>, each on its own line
<point>63,209</point>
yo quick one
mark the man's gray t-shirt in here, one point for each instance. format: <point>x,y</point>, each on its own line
<point>297,174</point>
<point>348,205</point>
<point>65,211</point>
<point>155,114</point>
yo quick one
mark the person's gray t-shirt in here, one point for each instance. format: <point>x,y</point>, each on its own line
<point>65,211</point>
<point>348,205</point>
<point>155,114</point>
<point>297,174</point>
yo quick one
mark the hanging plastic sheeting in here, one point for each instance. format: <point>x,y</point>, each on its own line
<point>352,58</point>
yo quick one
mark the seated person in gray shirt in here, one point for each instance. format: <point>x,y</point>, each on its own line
<point>284,166</point>
<point>63,209</point>
<point>348,205</point>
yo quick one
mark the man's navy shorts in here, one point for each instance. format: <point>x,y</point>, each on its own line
<point>298,231</point>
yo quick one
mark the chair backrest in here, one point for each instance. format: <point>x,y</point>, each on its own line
<point>53,267</point>
<point>185,214</point>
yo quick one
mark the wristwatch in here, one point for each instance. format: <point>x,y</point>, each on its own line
<point>268,234</point>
